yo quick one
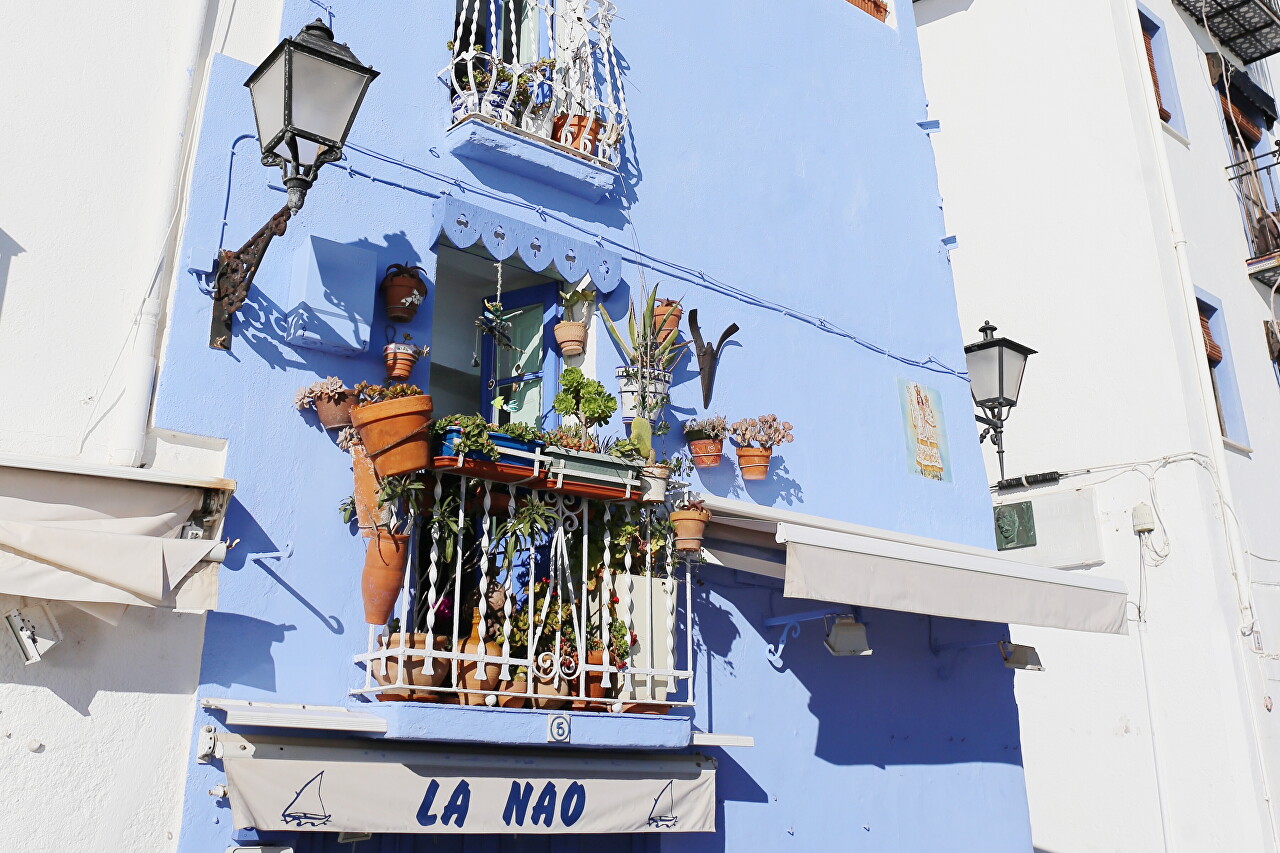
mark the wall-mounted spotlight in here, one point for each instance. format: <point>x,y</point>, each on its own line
<point>846,636</point>
<point>305,98</point>
<point>1020,657</point>
<point>995,376</point>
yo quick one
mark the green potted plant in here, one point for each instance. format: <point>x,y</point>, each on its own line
<point>394,423</point>
<point>644,381</point>
<point>403,291</point>
<point>705,437</point>
<point>576,464</point>
<point>571,334</point>
<point>331,399</point>
<point>508,454</point>
<point>399,501</point>
<point>756,438</point>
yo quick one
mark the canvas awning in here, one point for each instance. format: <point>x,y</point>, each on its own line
<point>102,538</point>
<point>349,786</point>
<point>832,561</point>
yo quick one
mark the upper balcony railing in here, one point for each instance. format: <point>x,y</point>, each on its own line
<point>547,67</point>
<point>1257,185</point>
<point>1249,28</point>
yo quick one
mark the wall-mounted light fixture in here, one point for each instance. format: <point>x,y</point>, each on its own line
<point>305,98</point>
<point>34,629</point>
<point>846,636</point>
<point>1020,657</point>
<point>995,377</point>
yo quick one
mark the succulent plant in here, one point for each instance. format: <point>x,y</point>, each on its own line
<point>330,387</point>
<point>713,428</point>
<point>763,432</point>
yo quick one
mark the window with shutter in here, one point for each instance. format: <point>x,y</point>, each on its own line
<point>1147,36</point>
<point>1214,354</point>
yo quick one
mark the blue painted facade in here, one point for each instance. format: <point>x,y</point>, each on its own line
<point>774,173</point>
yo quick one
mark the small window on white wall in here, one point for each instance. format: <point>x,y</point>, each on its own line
<point>878,9</point>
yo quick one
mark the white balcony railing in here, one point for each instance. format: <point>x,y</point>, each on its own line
<point>585,604</point>
<point>547,67</point>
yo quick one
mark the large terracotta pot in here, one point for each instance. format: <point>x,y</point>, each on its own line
<point>580,133</point>
<point>754,462</point>
<point>706,452</point>
<point>519,685</point>
<point>384,563</point>
<point>402,292</point>
<point>689,526</point>
<point>335,413</point>
<point>400,359</point>
<point>474,678</point>
<point>666,318</point>
<point>396,434</point>
<point>571,336</point>
<point>417,673</point>
<point>365,490</point>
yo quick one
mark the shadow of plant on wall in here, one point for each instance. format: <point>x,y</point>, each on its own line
<point>777,487</point>
<point>9,249</point>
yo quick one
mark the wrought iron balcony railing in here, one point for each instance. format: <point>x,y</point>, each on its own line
<point>1255,181</point>
<point>547,67</point>
<point>536,597</point>
<point>1249,28</point>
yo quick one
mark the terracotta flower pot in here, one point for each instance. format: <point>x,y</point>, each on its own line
<point>402,293</point>
<point>396,434</point>
<point>706,452</point>
<point>571,336</point>
<point>666,318</point>
<point>335,413</point>
<point>400,359</point>
<point>384,562</point>
<point>519,685</point>
<point>689,525</point>
<point>580,133</point>
<point>550,696</point>
<point>365,490</point>
<point>754,462</point>
<point>417,673</point>
<point>595,685</point>
<point>474,678</point>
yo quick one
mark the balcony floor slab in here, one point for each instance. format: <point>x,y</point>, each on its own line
<point>529,727</point>
<point>486,141</point>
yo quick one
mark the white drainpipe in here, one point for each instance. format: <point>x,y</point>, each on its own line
<point>129,433</point>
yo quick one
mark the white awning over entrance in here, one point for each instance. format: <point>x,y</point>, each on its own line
<point>94,536</point>
<point>346,786</point>
<point>833,561</point>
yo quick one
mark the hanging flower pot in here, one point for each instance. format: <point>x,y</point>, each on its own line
<point>400,359</point>
<point>384,563</point>
<point>331,400</point>
<point>581,133</point>
<point>655,484</point>
<point>418,671</point>
<point>571,337</point>
<point>475,678</point>
<point>754,462</point>
<point>403,291</point>
<point>706,440</point>
<point>689,523</point>
<point>706,452</point>
<point>666,318</point>
<point>656,383</point>
<point>396,432</point>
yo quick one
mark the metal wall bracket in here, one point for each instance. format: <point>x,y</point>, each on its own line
<point>235,272</point>
<point>790,625</point>
<point>206,745</point>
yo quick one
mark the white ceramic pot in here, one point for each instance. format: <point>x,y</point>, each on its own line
<point>655,484</point>
<point>656,385</point>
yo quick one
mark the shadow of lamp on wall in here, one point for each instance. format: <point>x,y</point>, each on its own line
<point>305,98</point>
<point>995,369</point>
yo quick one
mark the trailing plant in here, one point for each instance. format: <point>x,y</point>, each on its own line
<point>764,432</point>
<point>348,437</point>
<point>586,400</point>
<point>368,393</point>
<point>713,428</point>
<point>473,435</point>
<point>330,388</point>
<point>520,431</point>
<point>400,498</point>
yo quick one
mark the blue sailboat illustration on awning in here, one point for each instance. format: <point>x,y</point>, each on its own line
<point>307,806</point>
<point>666,800</point>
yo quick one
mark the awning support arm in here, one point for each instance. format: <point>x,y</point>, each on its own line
<point>790,625</point>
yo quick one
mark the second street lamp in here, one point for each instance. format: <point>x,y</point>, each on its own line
<point>305,98</point>
<point>995,368</point>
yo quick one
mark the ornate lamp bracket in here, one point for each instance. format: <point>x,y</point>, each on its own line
<point>235,271</point>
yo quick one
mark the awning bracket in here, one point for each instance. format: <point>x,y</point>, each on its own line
<point>790,625</point>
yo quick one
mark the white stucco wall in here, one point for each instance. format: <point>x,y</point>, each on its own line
<point>1051,175</point>
<point>95,739</point>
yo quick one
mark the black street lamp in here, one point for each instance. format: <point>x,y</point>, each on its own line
<point>995,367</point>
<point>305,98</point>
